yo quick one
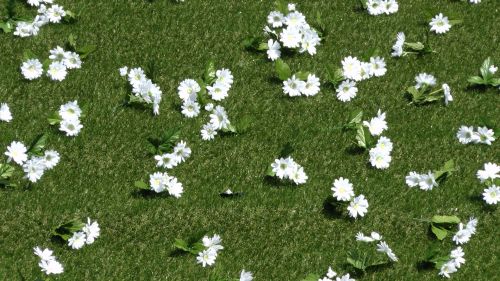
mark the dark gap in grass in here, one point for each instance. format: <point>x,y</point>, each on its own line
<point>329,210</point>
<point>148,194</point>
<point>424,266</point>
<point>354,150</point>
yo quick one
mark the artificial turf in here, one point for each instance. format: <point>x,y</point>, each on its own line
<point>279,232</point>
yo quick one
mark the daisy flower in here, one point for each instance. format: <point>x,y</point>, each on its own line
<point>297,175</point>
<point>72,60</point>
<point>491,195</point>
<point>290,37</point>
<point>351,68</point>
<point>293,86</point>
<point>462,236</point>
<point>209,107</point>
<point>174,187</point>
<point>347,90</point>
<point>70,111</point>
<point>45,254</point>
<point>342,189</point>
<point>136,76</point>
<point>32,69</point>
<point>274,49</point>
<point>275,19</point>
<point>246,276</point>
<point>57,71</point>
<point>219,118</point>
<point>384,248</point>
<point>224,76</point>
<point>167,160</point>
<point>208,132</point>
<point>182,151</point>
<point>384,144</point>
<point>491,171</point>
<point>465,134</point>
<point>440,24</point>
<point>377,66</point>
<point>389,6</point>
<point>425,79</point>
<point>374,7</point>
<point>311,87</point>
<point>447,269</point>
<point>377,125</point>
<point>206,257</point>
<point>71,127</point>
<point>218,91</point>
<point>5,114</point>
<point>190,108</point>
<point>157,181</point>
<point>427,181</point>
<point>457,256</point>
<point>471,225</point>
<point>123,71</point>
<point>295,20</point>
<point>26,29</point>
<point>51,159</point>
<point>78,240</point>
<point>484,136</point>
<point>413,179</point>
<point>380,158</point>
<point>447,94</point>
<point>283,167</point>
<point>55,13</point>
<point>346,277</point>
<point>57,54</point>
<point>51,267</point>
<point>310,40</point>
<point>17,151</point>
<point>358,206</point>
<point>91,230</point>
<point>212,243</point>
<point>397,48</point>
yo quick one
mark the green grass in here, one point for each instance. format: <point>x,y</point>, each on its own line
<point>277,232</point>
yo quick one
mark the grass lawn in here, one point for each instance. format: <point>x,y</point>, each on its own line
<point>279,232</point>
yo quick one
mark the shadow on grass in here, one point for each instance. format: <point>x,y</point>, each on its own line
<point>330,210</point>
<point>354,150</point>
<point>478,199</point>
<point>277,183</point>
<point>425,266</point>
<point>148,194</point>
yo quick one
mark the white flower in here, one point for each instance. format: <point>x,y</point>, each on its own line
<point>246,276</point>
<point>465,134</point>
<point>57,71</point>
<point>17,151</point>
<point>219,118</point>
<point>208,132</point>
<point>35,3</point>
<point>484,136</point>
<point>291,7</point>
<point>457,256</point>
<point>283,167</point>
<point>206,257</point>
<point>380,158</point>
<point>51,267</point>
<point>293,86</point>
<point>384,144</point>
<point>157,181</point>
<point>78,240</point>
<point>182,151</point>
<point>295,20</point>
<point>384,248</point>
<point>5,114</point>
<point>275,19</point>
<point>491,195</point>
<point>190,108</point>
<point>447,94</point>
<point>330,273</point>
<point>389,6</point>
<point>136,76</point>
<point>440,24</point>
<point>213,243</point>
<point>447,269</point>
<point>358,206</point>
<point>57,54</point>
<point>26,29</point>
<point>51,159</point>
<point>347,90</point>
<point>491,171</point>
<point>375,7</point>
<point>374,237</point>
<point>91,230</point>
<point>365,70</point>
<point>462,236</point>
<point>55,13</point>
<point>290,37</point>
<point>475,1</point>
<point>311,88</point>
<point>427,181</point>
<point>413,179</point>
<point>425,79</point>
<point>346,277</point>
<point>124,71</point>
<point>493,69</point>
<point>351,68</point>
<point>72,60</point>
<point>310,40</point>
<point>174,187</point>
<point>167,160</point>
<point>471,225</point>
<point>397,48</point>
<point>224,76</point>
<point>71,127</point>
<point>274,49</point>
<point>342,189</point>
<point>70,111</point>
<point>45,254</point>
<point>218,91</point>
<point>32,69</point>
<point>377,125</point>
<point>297,175</point>
<point>378,66</point>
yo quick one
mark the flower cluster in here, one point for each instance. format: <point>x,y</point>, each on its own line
<point>294,86</point>
<point>343,192</point>
<point>382,246</point>
<point>380,155</point>
<point>330,274</point>
<point>48,262</point>
<point>85,236</point>
<point>160,182</point>
<point>289,26</point>
<point>288,169</point>
<point>169,160</point>
<point>379,7</point>
<point>52,14</point>
<point>355,70</point>
<point>483,135</point>
<point>431,179</point>
<point>487,78</point>
<point>68,118</point>
<point>5,114</point>
<point>60,62</point>
<point>34,164</point>
<point>423,92</point>
<point>209,254</point>
<point>144,91</point>
<point>489,176</point>
<point>403,48</point>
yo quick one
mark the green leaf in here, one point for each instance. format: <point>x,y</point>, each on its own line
<point>455,22</point>
<point>72,42</point>
<point>282,69</point>
<point>334,75</point>
<point>312,277</point>
<point>476,80</point>
<point>181,245</point>
<point>55,118</point>
<point>253,43</point>
<point>195,248</point>
<point>355,119</point>
<point>141,185</point>
<point>364,4</point>
<point>86,50</point>
<point>133,99</point>
<point>270,172</point>
<point>66,230</point>
<point>209,74</point>
<point>485,69</point>
<point>70,17</point>
<point>170,138</point>
<point>38,145</point>
<point>445,219</point>
<point>439,231</point>
<point>230,129</point>
<point>7,26</point>
<point>302,75</point>
<point>6,171</point>
<point>262,47</point>
<point>495,82</point>
<point>445,171</point>
<point>417,47</point>
<point>363,137</point>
